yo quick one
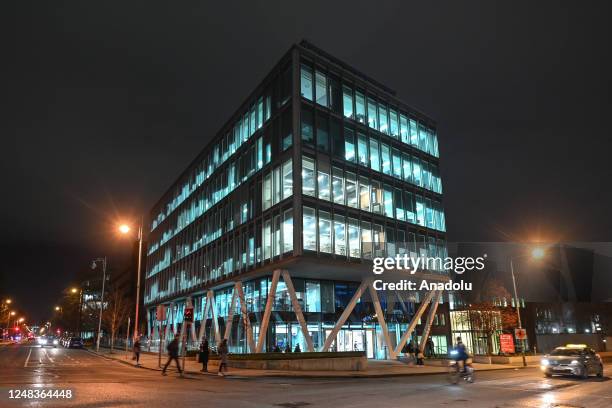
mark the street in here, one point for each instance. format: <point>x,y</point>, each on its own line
<point>98,382</point>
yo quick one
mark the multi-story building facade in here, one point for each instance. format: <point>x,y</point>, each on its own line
<point>271,231</point>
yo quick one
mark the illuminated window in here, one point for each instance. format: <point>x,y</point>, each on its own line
<point>308,176</point>
<point>325,232</point>
<point>321,88</point>
<point>306,82</point>
<point>347,102</point>
<point>309,230</point>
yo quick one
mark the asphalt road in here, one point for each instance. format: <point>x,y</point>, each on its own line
<point>96,382</point>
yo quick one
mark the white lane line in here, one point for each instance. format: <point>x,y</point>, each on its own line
<point>27,359</point>
<point>49,357</point>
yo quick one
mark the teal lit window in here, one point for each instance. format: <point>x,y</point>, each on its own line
<point>386,158</point>
<point>374,155</point>
<point>397,164</point>
<point>406,168</point>
<point>409,207</point>
<point>360,112</point>
<point>420,210</point>
<point>313,297</point>
<point>321,88</point>
<point>383,119</point>
<point>404,129</point>
<point>372,114</point>
<point>260,112</point>
<point>388,201</point>
<point>362,149</point>
<point>393,123</point>
<point>349,144</point>
<point>416,172</point>
<point>366,240</point>
<point>400,213</point>
<point>306,82</point>
<point>347,102</point>
<point>414,133</point>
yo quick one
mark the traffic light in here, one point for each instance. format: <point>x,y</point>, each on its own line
<point>188,315</point>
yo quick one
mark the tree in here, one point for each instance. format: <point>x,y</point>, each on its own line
<point>115,314</point>
<point>492,315</point>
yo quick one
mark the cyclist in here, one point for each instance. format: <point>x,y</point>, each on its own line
<point>459,353</point>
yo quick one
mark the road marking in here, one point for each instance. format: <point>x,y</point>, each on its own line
<point>27,359</point>
<point>48,357</point>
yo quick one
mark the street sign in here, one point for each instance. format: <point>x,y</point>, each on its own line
<point>160,313</point>
<point>188,315</point>
<point>520,334</point>
<point>506,343</point>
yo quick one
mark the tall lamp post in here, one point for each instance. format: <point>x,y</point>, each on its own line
<point>124,229</point>
<point>93,266</point>
<point>536,253</point>
<point>80,292</point>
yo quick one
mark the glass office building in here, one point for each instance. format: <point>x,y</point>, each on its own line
<point>319,170</point>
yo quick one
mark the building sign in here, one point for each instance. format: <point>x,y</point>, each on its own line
<point>520,334</point>
<point>506,343</point>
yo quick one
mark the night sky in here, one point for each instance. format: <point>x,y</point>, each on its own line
<point>104,104</point>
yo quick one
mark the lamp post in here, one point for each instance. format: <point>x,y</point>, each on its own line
<point>536,253</point>
<point>124,229</point>
<point>80,291</point>
<point>93,266</point>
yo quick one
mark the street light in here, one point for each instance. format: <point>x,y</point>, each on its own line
<point>94,263</point>
<point>57,308</point>
<point>125,229</point>
<point>536,253</point>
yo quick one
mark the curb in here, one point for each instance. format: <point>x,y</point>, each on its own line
<point>299,375</point>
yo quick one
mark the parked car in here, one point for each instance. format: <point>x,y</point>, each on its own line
<point>75,342</point>
<point>573,359</point>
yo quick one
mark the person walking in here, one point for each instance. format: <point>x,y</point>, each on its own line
<point>172,348</point>
<point>431,349</point>
<point>204,351</point>
<point>223,356</point>
<point>411,350</point>
<point>136,348</point>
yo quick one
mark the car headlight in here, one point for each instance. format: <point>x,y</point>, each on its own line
<point>575,362</point>
<point>544,362</point>
<point>55,342</point>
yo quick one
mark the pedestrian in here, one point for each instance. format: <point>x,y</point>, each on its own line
<point>277,349</point>
<point>431,352</point>
<point>204,351</point>
<point>136,348</point>
<point>172,348</point>
<point>411,350</point>
<point>287,348</point>
<point>297,349</point>
<point>222,349</point>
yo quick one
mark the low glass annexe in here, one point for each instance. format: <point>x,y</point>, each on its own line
<point>322,302</point>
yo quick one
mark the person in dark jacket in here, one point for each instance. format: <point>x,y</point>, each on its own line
<point>297,349</point>
<point>287,348</point>
<point>223,351</point>
<point>172,348</point>
<point>204,351</point>
<point>136,349</point>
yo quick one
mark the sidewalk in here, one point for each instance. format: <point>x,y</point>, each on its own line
<point>376,368</point>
